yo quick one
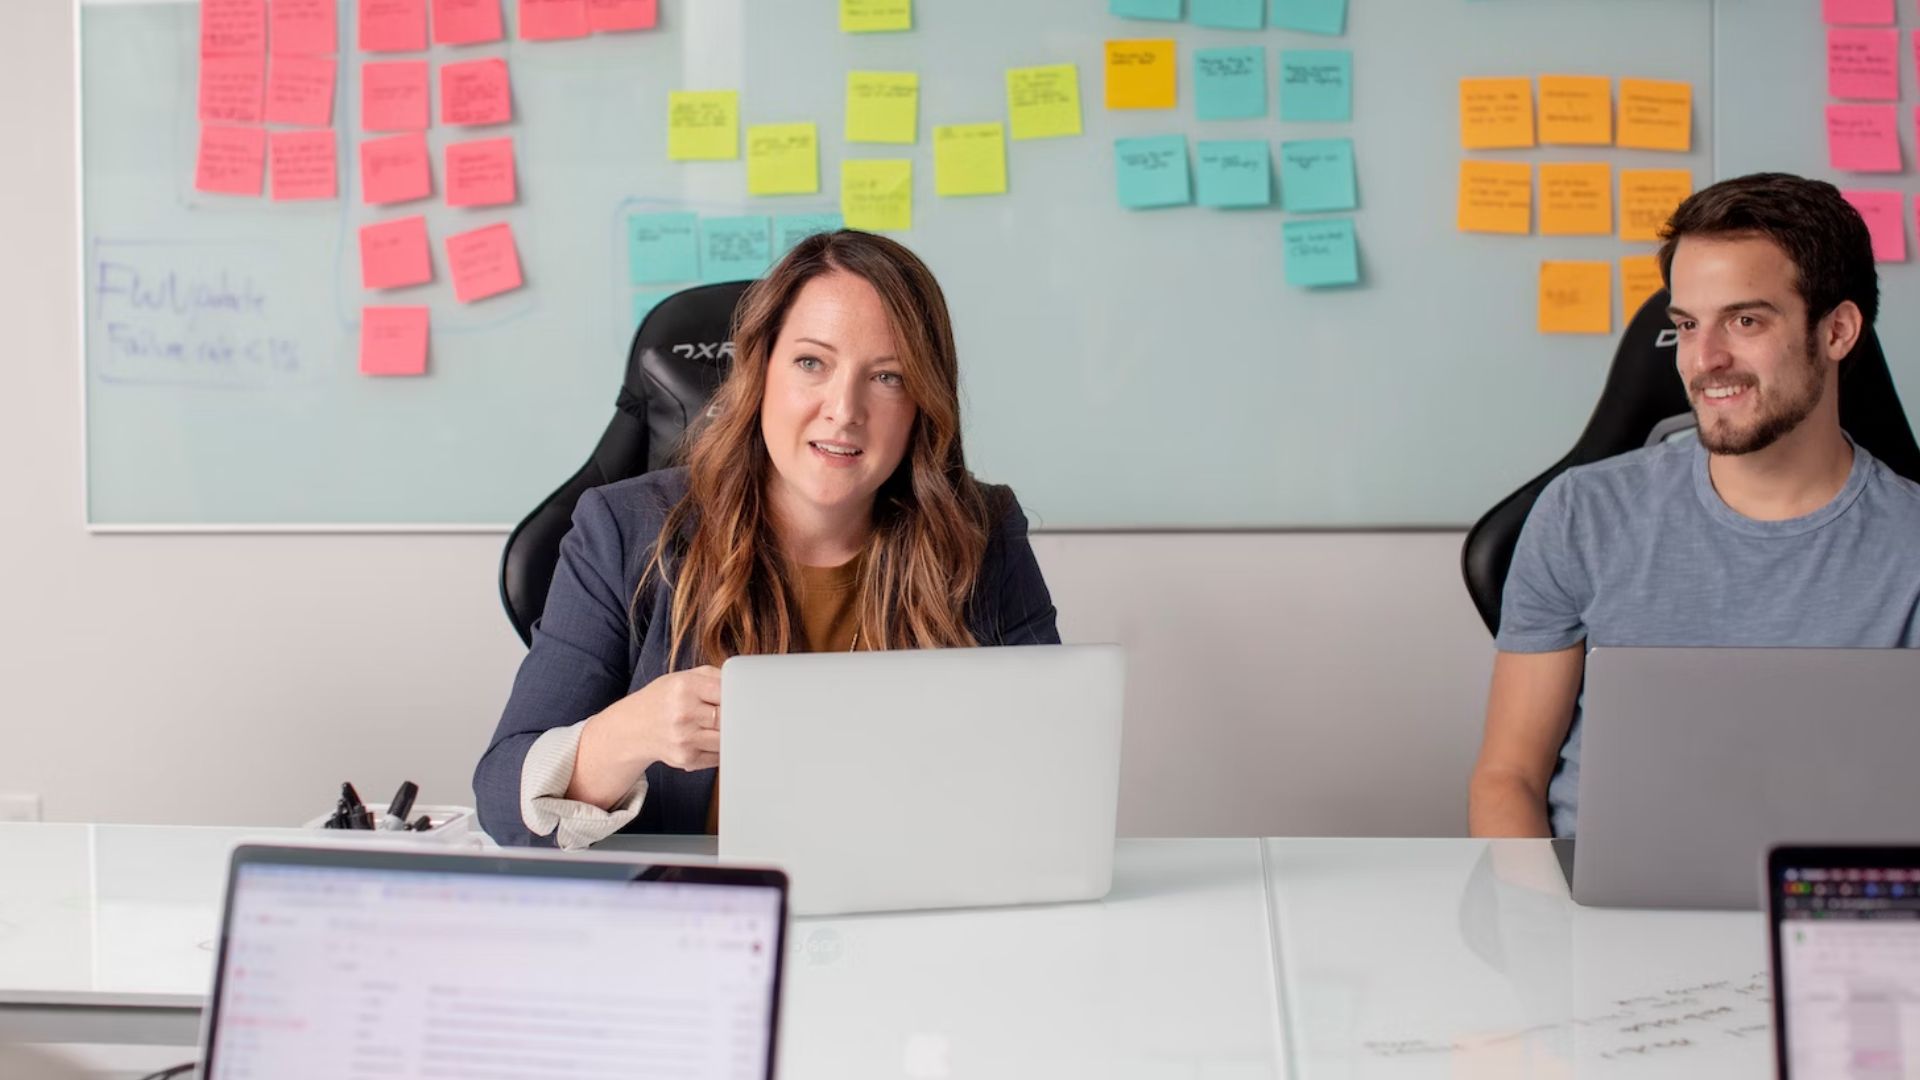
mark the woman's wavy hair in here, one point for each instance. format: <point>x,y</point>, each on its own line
<point>733,586</point>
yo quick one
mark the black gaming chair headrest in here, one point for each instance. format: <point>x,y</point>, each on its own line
<point>680,354</point>
<point>1643,401</point>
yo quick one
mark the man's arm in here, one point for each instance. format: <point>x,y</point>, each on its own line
<point>1529,708</point>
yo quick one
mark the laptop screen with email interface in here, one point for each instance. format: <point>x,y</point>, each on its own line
<point>343,970</point>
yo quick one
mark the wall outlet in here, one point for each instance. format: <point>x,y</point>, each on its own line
<point>18,807</point>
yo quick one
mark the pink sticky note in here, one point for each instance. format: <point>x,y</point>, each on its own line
<point>480,173</point>
<point>1863,138</point>
<point>607,15</point>
<point>233,26</point>
<point>1885,212</point>
<point>466,22</point>
<point>483,263</point>
<point>476,92</point>
<point>1863,65</point>
<point>302,165</point>
<point>1858,12</point>
<point>300,91</point>
<point>547,20</point>
<point>303,28</point>
<point>395,169</point>
<point>393,340</point>
<point>231,88</point>
<point>232,160</point>
<point>394,254</point>
<point>393,95</point>
<point>393,25</point>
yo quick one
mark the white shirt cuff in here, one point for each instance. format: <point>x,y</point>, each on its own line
<point>544,805</point>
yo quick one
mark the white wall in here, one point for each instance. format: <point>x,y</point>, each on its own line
<point>1280,683</point>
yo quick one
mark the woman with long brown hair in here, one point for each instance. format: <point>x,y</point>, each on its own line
<point>827,506</point>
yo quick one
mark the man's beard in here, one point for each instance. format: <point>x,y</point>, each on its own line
<point>1777,417</point>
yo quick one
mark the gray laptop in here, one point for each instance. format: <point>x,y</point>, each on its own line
<point>1694,762</point>
<point>924,779</point>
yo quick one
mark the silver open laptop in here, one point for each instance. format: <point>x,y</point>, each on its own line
<point>918,779</point>
<point>342,960</point>
<point>1694,762</point>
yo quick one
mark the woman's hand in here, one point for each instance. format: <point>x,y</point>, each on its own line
<point>675,720</point>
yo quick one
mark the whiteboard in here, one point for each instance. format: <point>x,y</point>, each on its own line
<point>1121,369</point>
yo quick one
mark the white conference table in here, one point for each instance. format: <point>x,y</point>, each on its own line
<point>1214,959</point>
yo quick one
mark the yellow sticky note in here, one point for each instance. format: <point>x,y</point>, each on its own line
<point>783,159</point>
<point>1576,110</point>
<point>1639,279</point>
<point>1656,115</point>
<point>1043,102</point>
<point>1140,74</point>
<point>970,159</point>
<point>1576,298</point>
<point>1496,113</point>
<point>883,106</point>
<point>1648,197</point>
<point>1576,200</point>
<point>703,125</point>
<point>868,16</point>
<point>1496,197</point>
<point>877,195</point>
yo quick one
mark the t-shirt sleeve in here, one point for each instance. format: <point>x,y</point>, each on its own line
<point>1547,593</point>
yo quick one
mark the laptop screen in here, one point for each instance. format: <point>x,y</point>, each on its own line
<point>1847,954</point>
<point>354,970</point>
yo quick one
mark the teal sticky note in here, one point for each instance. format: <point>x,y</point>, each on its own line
<point>1233,173</point>
<point>1317,174</point>
<point>790,229</point>
<point>1152,171</point>
<point>1313,16</point>
<point>644,302</point>
<point>1316,85</point>
<point>1230,84</point>
<point>1320,252</point>
<point>662,248</point>
<point>735,248</point>
<point>1165,10</point>
<point>1230,14</point>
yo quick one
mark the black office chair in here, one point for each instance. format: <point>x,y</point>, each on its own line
<point>1642,404</point>
<point>680,354</point>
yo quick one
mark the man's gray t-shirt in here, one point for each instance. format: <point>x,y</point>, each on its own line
<point>1639,550</point>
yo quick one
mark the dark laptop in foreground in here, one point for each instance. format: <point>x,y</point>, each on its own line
<point>1694,762</point>
<point>340,960</point>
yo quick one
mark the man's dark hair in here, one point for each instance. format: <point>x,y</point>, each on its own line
<point>1810,220</point>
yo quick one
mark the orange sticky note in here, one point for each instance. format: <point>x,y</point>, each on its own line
<point>393,25</point>
<point>1885,214</point>
<point>231,88</point>
<point>551,20</point>
<point>1656,115</point>
<point>393,254</point>
<point>1140,74</point>
<point>300,91</point>
<point>1863,65</point>
<point>229,27</point>
<point>476,92</point>
<point>393,340</point>
<point>232,160</point>
<point>1496,113</point>
<point>483,263</point>
<point>466,22</point>
<point>1648,197</point>
<point>395,169</point>
<point>1576,110</point>
<point>1496,197</point>
<point>1863,138</point>
<point>480,173</point>
<point>607,16</point>
<point>393,95</point>
<point>1576,298</point>
<point>303,165</point>
<point>1639,279</point>
<point>1576,199</point>
<point>303,28</point>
